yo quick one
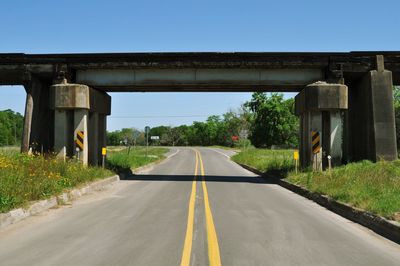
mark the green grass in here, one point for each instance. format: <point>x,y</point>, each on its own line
<point>374,187</point>
<point>25,178</point>
<point>267,161</point>
<point>119,159</point>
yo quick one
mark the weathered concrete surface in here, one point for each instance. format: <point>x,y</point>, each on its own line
<point>144,223</point>
<point>322,96</point>
<point>69,96</point>
<point>39,119</point>
<point>283,71</point>
<point>79,108</point>
<point>321,108</point>
<point>372,132</point>
<point>78,96</point>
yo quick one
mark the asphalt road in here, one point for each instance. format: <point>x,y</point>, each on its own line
<point>172,215</point>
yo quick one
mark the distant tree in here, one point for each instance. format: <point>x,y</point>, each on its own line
<point>160,131</point>
<point>132,136</point>
<point>273,121</point>
<point>114,138</point>
<point>138,137</point>
<point>11,124</point>
<point>183,135</point>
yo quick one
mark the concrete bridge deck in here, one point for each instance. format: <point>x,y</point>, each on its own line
<point>194,71</point>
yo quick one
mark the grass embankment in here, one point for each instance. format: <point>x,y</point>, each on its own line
<point>25,178</point>
<point>277,162</point>
<point>374,187</point>
<point>121,160</point>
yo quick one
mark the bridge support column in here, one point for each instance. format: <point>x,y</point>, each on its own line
<point>321,109</point>
<point>38,119</point>
<point>372,131</point>
<point>77,125</point>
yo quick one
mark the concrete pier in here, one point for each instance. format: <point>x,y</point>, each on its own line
<point>320,106</point>
<point>372,132</point>
<point>77,127</point>
<point>38,119</point>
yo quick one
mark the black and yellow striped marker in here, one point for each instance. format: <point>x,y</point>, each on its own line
<point>315,142</point>
<point>79,139</point>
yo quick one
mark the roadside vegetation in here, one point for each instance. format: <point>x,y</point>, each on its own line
<point>25,178</point>
<point>374,187</point>
<point>122,159</point>
<point>266,160</point>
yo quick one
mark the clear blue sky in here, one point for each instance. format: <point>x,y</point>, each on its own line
<point>49,26</point>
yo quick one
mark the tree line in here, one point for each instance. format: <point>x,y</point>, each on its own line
<point>265,120</point>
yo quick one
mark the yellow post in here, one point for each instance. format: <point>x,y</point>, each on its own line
<point>296,159</point>
<point>103,153</point>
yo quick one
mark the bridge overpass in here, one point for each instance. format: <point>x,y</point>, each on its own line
<point>351,109</point>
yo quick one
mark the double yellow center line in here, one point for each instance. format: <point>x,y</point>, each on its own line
<point>212,240</point>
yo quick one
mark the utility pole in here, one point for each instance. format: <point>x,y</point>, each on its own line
<point>147,130</point>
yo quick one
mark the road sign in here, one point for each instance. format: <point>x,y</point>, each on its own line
<point>155,137</point>
<point>103,151</point>
<point>80,139</point>
<point>315,142</point>
<point>296,155</point>
<point>147,129</point>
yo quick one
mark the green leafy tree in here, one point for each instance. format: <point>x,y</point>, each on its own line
<point>273,121</point>
<point>11,125</point>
